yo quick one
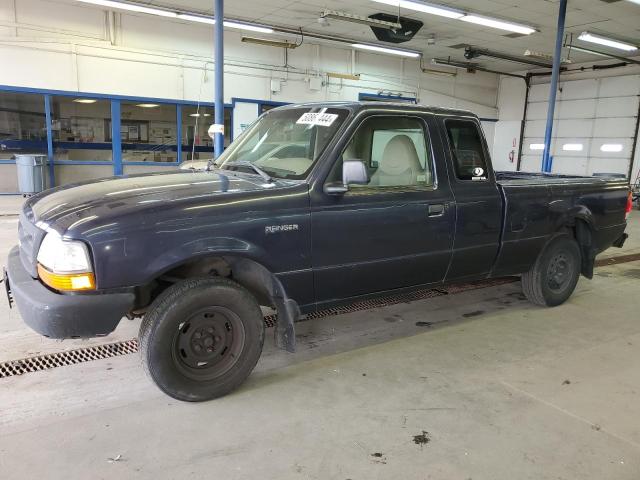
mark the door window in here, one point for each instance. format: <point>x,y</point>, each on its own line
<point>395,150</point>
<point>467,151</point>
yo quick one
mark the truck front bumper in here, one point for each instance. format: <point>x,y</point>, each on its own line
<point>63,316</point>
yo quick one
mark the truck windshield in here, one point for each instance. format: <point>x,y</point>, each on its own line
<point>284,143</point>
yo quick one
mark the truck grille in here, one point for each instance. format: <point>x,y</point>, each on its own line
<point>30,238</point>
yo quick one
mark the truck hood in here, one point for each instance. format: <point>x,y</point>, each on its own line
<point>120,195</point>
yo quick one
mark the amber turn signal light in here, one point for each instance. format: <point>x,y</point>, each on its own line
<point>68,282</point>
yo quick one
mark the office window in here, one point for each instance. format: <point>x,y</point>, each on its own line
<point>148,132</point>
<point>81,129</point>
<point>196,142</point>
<point>22,124</point>
<point>465,142</point>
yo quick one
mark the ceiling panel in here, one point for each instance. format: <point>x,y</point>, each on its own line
<point>618,19</point>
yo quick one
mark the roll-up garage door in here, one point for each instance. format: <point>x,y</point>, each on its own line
<point>594,127</point>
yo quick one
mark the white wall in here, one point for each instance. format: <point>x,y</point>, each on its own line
<point>67,46</point>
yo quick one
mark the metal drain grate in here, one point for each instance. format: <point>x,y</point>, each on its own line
<point>603,262</point>
<point>108,350</point>
<point>70,357</point>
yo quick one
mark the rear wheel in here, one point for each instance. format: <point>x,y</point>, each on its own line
<point>201,338</point>
<point>554,276</point>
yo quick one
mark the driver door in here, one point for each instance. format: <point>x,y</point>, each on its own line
<point>394,231</point>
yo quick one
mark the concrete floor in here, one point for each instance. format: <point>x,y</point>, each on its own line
<point>497,388</point>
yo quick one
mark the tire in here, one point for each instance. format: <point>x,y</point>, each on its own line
<point>201,338</point>
<point>553,278</point>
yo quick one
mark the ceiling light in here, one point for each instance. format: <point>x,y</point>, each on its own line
<point>611,147</point>
<point>269,43</point>
<point>499,24</point>
<point>196,18</point>
<point>349,17</point>
<point>246,26</point>
<point>424,7</point>
<point>182,16</point>
<point>572,147</point>
<point>391,51</point>
<point>131,7</point>
<point>440,73</point>
<point>608,42</point>
<point>588,50</point>
<point>84,100</point>
<point>147,105</point>
<point>536,146</point>
<point>343,76</point>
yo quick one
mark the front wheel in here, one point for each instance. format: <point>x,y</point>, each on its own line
<point>554,276</point>
<point>201,338</point>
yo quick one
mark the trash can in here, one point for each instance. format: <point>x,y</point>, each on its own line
<point>31,176</point>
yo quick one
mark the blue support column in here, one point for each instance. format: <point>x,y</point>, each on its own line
<point>47,114</point>
<point>179,132</point>
<point>116,139</point>
<point>218,29</point>
<point>555,75</point>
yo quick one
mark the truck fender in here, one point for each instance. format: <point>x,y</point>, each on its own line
<point>202,248</point>
<point>247,270</point>
<point>256,278</point>
<point>579,219</point>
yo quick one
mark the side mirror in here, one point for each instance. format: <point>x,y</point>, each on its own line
<point>354,172</point>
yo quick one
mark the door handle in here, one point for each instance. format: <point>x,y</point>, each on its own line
<point>436,210</point>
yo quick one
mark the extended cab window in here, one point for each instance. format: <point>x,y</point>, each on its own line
<point>395,151</point>
<point>467,151</point>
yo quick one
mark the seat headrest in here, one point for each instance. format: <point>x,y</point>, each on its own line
<point>399,156</point>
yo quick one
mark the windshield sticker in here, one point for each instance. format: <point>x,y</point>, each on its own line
<point>320,119</point>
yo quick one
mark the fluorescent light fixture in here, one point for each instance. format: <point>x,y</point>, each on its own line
<point>199,115</point>
<point>147,105</point>
<point>84,100</point>
<point>131,7</point>
<point>440,73</point>
<point>344,76</point>
<point>350,17</point>
<point>587,50</point>
<point>182,16</point>
<point>391,51</point>
<point>424,7</point>
<point>536,146</point>
<point>499,24</point>
<point>246,26</point>
<point>196,18</point>
<point>611,147</point>
<point>607,42</point>
<point>572,147</point>
<point>269,43</point>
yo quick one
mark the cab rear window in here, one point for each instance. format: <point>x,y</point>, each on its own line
<point>467,151</point>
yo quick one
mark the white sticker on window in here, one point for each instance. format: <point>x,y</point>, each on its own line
<point>320,119</point>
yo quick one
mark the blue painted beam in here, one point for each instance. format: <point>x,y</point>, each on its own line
<point>47,113</point>
<point>218,58</point>
<point>179,133</point>
<point>547,159</point>
<point>116,137</point>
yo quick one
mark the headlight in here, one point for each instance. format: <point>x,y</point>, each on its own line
<point>65,264</point>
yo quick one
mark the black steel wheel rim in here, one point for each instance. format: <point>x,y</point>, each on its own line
<point>559,271</point>
<point>208,343</point>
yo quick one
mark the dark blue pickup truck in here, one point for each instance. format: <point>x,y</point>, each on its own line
<point>314,205</point>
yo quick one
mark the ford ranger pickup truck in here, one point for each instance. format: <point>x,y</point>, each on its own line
<point>314,205</point>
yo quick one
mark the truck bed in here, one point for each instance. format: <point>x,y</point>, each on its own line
<point>507,178</point>
<point>536,205</point>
